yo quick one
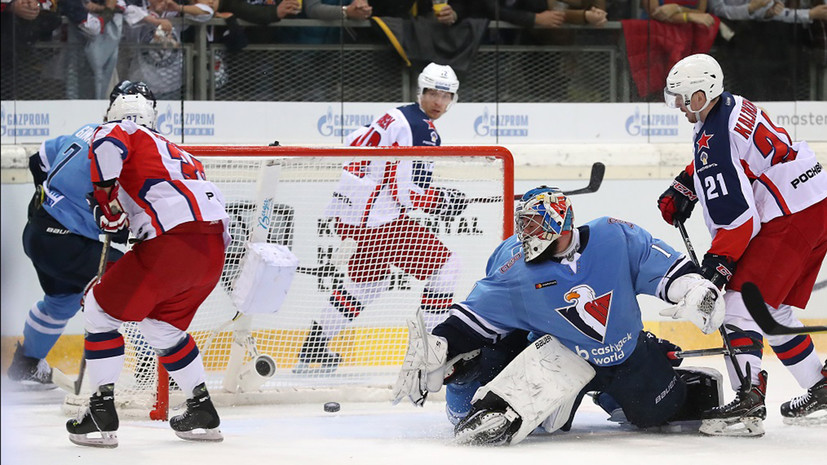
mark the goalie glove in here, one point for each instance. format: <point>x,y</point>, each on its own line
<point>108,211</point>
<point>677,202</point>
<point>423,369</point>
<point>699,301</point>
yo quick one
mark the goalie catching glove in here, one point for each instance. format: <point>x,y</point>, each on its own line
<point>425,367</point>
<point>108,211</point>
<point>698,300</point>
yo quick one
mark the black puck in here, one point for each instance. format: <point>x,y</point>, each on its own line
<point>331,407</point>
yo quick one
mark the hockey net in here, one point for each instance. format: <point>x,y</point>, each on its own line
<point>287,189</point>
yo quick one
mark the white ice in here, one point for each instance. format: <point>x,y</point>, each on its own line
<point>363,433</point>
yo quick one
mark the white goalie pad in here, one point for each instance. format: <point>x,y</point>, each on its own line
<point>541,385</point>
<point>266,274</point>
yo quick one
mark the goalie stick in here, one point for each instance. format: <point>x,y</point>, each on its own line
<point>757,307</point>
<point>595,180</point>
<point>681,354</point>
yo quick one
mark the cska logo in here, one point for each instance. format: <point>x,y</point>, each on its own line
<point>589,313</point>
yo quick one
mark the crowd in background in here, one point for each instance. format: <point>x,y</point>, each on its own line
<point>106,40</point>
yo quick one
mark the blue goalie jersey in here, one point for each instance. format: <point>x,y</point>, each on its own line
<point>589,304</point>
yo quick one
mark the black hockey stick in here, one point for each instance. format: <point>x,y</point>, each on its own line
<point>757,307</point>
<point>595,180</point>
<point>680,354</point>
<point>730,352</point>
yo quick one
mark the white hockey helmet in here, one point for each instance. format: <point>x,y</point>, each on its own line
<point>134,107</point>
<point>699,72</point>
<point>439,77</point>
<point>542,216</point>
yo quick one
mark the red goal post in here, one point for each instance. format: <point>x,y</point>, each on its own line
<point>278,195</point>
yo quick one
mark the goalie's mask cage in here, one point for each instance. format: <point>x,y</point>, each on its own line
<point>280,195</point>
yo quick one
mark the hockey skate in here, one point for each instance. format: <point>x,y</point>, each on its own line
<point>314,356</point>
<point>29,373</point>
<point>809,409</point>
<point>99,418</point>
<point>200,421</point>
<point>744,416</point>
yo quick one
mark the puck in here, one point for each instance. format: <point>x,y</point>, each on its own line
<point>331,407</point>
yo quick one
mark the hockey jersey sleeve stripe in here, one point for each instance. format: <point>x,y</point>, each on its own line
<point>477,323</point>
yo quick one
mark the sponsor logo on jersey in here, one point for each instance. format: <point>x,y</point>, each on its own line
<point>553,282</point>
<point>589,312</point>
<point>170,123</point>
<point>806,176</point>
<point>655,124</point>
<point>504,125</point>
<point>333,124</point>
<point>15,124</point>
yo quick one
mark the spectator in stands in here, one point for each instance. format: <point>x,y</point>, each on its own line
<point>334,10</point>
<point>159,22</point>
<point>97,26</point>
<point>548,14</point>
<point>693,11</point>
<point>261,12</point>
<point>764,10</point>
<point>23,22</point>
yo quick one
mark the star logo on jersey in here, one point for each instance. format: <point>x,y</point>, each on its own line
<point>703,141</point>
<point>589,313</point>
<point>430,124</point>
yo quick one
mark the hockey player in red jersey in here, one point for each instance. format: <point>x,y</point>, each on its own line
<point>160,192</point>
<point>370,205</point>
<point>764,201</point>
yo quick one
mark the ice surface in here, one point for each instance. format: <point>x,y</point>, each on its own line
<point>362,433</point>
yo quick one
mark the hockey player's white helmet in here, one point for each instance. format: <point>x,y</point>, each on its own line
<point>699,72</point>
<point>542,216</point>
<point>439,77</point>
<point>134,107</point>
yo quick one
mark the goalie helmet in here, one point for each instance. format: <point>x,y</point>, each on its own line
<point>133,107</point>
<point>438,77</point>
<point>542,216</point>
<point>699,72</point>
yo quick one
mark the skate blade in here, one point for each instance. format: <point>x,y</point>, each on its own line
<point>303,368</point>
<point>740,427</point>
<point>814,419</point>
<point>488,429</point>
<point>202,435</point>
<point>108,440</point>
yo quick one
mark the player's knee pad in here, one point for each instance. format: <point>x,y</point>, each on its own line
<point>97,320</point>
<point>704,390</point>
<point>60,307</point>
<point>160,334</point>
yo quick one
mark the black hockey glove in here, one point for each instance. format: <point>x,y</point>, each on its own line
<point>677,202</point>
<point>718,269</point>
<point>453,203</point>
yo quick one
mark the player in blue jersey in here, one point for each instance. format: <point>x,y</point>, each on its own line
<point>574,291</point>
<point>764,199</point>
<point>62,239</point>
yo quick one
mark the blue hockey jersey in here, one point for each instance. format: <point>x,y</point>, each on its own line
<point>590,304</point>
<point>65,159</point>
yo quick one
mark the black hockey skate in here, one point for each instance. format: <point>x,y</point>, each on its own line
<point>200,422</point>
<point>100,417</point>
<point>314,356</point>
<point>744,416</point>
<point>809,409</point>
<point>29,373</point>
<point>491,422</point>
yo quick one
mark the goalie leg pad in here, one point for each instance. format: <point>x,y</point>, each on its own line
<point>542,381</point>
<point>704,390</point>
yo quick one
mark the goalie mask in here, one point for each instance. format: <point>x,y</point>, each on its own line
<point>440,78</point>
<point>699,72</point>
<point>542,216</point>
<point>133,107</point>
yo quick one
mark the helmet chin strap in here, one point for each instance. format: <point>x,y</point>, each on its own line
<point>697,113</point>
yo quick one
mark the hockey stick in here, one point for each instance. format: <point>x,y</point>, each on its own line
<point>681,354</point>
<point>730,352</point>
<point>595,180</point>
<point>757,307</point>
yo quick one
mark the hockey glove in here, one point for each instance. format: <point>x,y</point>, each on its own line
<point>718,269</point>
<point>423,369</point>
<point>108,211</point>
<point>677,202</point>
<point>454,202</point>
<point>699,301</point>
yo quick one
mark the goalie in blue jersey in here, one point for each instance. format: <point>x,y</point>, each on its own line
<point>557,316</point>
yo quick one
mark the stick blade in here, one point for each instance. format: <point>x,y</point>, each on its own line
<point>756,307</point>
